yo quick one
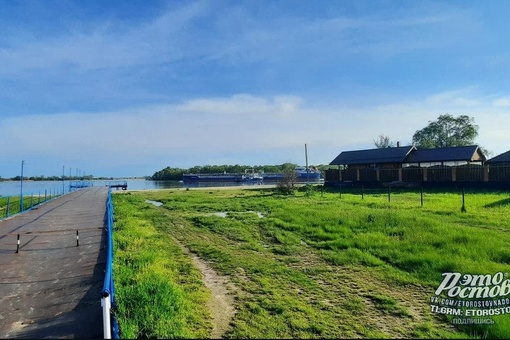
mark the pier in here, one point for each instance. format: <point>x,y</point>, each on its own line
<point>117,185</point>
<point>52,268</point>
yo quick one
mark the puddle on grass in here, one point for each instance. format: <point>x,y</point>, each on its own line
<point>224,214</point>
<point>155,203</point>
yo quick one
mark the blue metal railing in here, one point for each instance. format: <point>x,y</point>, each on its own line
<point>110,325</point>
<point>80,184</point>
<point>17,204</point>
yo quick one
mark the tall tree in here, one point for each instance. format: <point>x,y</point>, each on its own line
<point>447,131</point>
<point>383,142</point>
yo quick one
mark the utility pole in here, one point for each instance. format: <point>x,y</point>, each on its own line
<point>307,170</point>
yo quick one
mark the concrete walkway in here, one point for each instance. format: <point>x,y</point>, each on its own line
<point>52,287</point>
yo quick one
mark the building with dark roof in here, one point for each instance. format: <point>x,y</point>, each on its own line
<point>410,156</point>
<point>374,158</point>
<point>450,156</point>
<point>408,164</point>
<point>502,159</point>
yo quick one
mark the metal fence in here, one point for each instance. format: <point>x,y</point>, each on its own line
<point>464,173</point>
<point>110,325</point>
<point>13,205</point>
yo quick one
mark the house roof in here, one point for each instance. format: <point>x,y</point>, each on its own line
<point>502,158</point>
<point>460,153</point>
<point>373,156</point>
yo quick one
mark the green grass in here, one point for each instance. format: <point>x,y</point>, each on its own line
<point>11,205</point>
<point>159,293</point>
<point>316,265</point>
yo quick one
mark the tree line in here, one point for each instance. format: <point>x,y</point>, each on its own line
<point>49,178</point>
<point>175,174</point>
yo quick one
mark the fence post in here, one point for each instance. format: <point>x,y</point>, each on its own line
<point>389,193</point>
<point>8,206</point>
<point>421,195</point>
<point>45,194</point>
<point>362,192</point>
<point>32,201</point>
<point>463,209</point>
<point>17,246</point>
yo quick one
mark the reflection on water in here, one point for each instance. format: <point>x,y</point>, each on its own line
<point>155,203</point>
<point>224,214</point>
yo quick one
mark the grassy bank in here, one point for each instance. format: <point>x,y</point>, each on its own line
<point>305,266</point>
<point>11,205</point>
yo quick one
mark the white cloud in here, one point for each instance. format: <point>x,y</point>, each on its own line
<point>235,35</point>
<point>244,128</point>
<point>107,45</point>
<point>501,102</point>
<point>462,98</point>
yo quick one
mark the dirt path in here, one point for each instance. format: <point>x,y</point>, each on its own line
<point>221,304</point>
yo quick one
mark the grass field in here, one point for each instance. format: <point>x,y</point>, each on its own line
<point>309,265</point>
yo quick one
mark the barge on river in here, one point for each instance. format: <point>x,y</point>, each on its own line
<point>302,175</point>
<point>232,178</point>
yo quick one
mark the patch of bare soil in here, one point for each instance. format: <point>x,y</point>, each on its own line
<point>221,304</point>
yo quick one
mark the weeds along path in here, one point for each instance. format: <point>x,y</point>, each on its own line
<point>221,304</point>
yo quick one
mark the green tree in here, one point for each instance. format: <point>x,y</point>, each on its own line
<point>447,131</point>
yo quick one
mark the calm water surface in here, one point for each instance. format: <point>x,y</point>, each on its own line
<point>13,188</point>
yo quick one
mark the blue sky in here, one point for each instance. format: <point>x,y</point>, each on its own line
<point>127,88</point>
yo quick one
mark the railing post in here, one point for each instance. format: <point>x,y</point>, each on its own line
<point>107,328</point>
<point>108,294</point>
<point>8,206</point>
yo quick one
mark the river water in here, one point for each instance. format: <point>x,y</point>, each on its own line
<point>13,188</point>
